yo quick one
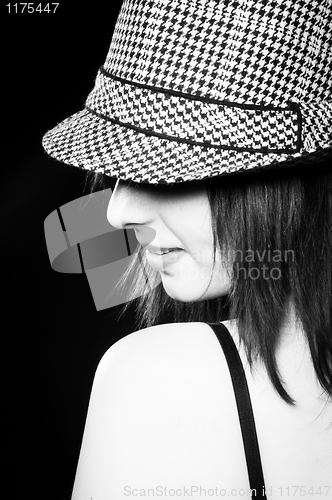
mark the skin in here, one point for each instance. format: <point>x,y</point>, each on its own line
<point>162,408</point>
<point>174,217</point>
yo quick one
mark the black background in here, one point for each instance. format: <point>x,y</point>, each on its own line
<point>53,338</point>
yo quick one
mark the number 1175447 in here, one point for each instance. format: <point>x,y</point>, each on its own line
<point>31,8</point>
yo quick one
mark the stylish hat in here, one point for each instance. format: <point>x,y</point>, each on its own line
<point>199,88</point>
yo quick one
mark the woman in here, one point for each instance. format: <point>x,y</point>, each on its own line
<point>215,119</point>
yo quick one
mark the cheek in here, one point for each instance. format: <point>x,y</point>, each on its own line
<point>195,234</point>
<point>206,271</point>
<point>200,246</point>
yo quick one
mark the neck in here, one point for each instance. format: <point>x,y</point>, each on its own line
<point>292,332</point>
<point>294,360</point>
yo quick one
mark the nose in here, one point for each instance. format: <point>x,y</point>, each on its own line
<point>129,205</point>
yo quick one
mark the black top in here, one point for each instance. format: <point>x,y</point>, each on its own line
<point>244,408</point>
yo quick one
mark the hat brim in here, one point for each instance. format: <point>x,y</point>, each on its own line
<point>93,143</point>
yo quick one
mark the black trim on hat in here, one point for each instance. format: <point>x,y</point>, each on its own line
<point>263,150</point>
<point>194,97</point>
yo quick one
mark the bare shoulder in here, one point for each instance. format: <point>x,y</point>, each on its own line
<point>167,354</point>
<point>159,395</point>
<point>159,340</point>
<point>165,332</point>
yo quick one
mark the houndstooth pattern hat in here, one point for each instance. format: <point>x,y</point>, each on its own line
<point>193,89</point>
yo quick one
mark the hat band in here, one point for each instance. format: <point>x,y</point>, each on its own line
<point>194,119</point>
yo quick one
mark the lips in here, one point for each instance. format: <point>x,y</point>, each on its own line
<point>159,261</point>
<point>164,252</point>
<point>161,250</point>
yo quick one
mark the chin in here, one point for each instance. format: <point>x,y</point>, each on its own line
<point>193,294</point>
<point>181,297</point>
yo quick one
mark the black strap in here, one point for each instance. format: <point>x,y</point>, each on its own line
<point>246,416</point>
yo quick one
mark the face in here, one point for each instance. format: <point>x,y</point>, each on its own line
<point>173,224</point>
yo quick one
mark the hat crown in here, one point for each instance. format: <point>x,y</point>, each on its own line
<point>193,89</point>
<point>248,51</point>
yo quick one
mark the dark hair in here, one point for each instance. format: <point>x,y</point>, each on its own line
<point>276,228</point>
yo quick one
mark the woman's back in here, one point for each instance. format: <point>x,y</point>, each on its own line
<point>295,441</point>
<point>163,421</point>
<point>214,117</point>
